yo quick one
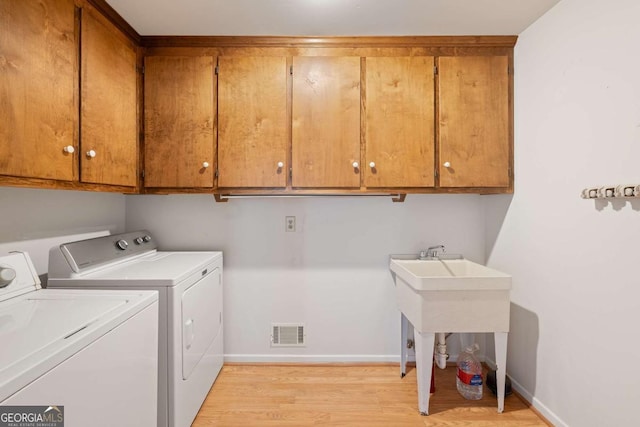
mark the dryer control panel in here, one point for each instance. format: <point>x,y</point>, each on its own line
<point>91,253</point>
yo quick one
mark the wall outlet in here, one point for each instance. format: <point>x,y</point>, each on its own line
<point>290,223</point>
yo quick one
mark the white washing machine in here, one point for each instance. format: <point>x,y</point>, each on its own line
<point>190,345</point>
<point>89,355</point>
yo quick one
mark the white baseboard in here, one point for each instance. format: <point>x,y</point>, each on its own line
<point>533,401</point>
<point>539,406</point>
<point>490,363</point>
<point>311,358</point>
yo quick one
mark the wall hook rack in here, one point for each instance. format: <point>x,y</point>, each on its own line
<point>611,191</point>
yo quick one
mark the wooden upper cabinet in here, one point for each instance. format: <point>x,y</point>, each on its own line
<point>326,122</point>
<point>399,122</point>
<point>253,131</point>
<point>108,100</point>
<point>474,121</point>
<point>38,112</point>
<point>179,111</point>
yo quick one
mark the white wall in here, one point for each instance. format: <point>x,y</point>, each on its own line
<point>31,219</point>
<point>574,346</point>
<point>331,274</point>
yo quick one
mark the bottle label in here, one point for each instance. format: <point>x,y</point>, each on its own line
<point>470,379</point>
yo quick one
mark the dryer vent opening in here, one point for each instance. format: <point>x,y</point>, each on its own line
<point>287,335</point>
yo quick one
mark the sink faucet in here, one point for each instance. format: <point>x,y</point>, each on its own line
<point>432,252</point>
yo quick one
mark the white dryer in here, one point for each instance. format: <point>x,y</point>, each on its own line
<point>90,355</point>
<point>190,345</point>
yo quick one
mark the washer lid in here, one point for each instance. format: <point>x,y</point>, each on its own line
<point>41,329</point>
<point>31,324</point>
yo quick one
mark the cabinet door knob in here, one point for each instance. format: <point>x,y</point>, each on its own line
<point>280,165</point>
<point>69,149</point>
<point>91,153</point>
<point>355,165</point>
<point>446,164</point>
<point>205,164</point>
<point>372,165</point>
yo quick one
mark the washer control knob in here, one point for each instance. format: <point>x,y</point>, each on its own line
<point>138,240</point>
<point>122,244</point>
<point>6,276</point>
<point>146,238</point>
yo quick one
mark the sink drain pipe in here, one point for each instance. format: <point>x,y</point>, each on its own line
<point>441,355</point>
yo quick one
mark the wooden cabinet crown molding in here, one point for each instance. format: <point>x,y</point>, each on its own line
<point>109,12</point>
<point>337,41</point>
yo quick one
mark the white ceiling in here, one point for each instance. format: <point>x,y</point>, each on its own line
<point>331,17</point>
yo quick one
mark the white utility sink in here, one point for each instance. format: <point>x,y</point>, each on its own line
<point>450,295</point>
<point>449,275</point>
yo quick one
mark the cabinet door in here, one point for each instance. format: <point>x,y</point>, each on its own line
<point>178,116</point>
<point>38,59</point>
<point>399,122</point>
<point>474,121</point>
<point>252,122</point>
<point>108,99</point>
<point>326,121</point>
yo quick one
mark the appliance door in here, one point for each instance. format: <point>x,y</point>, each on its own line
<point>201,319</point>
<point>110,381</point>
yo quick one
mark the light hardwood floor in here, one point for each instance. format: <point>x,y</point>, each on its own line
<point>310,395</point>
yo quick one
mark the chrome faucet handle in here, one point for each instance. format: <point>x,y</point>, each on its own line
<point>432,252</point>
<point>423,255</point>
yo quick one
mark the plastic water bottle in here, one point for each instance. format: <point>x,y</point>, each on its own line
<point>469,375</point>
